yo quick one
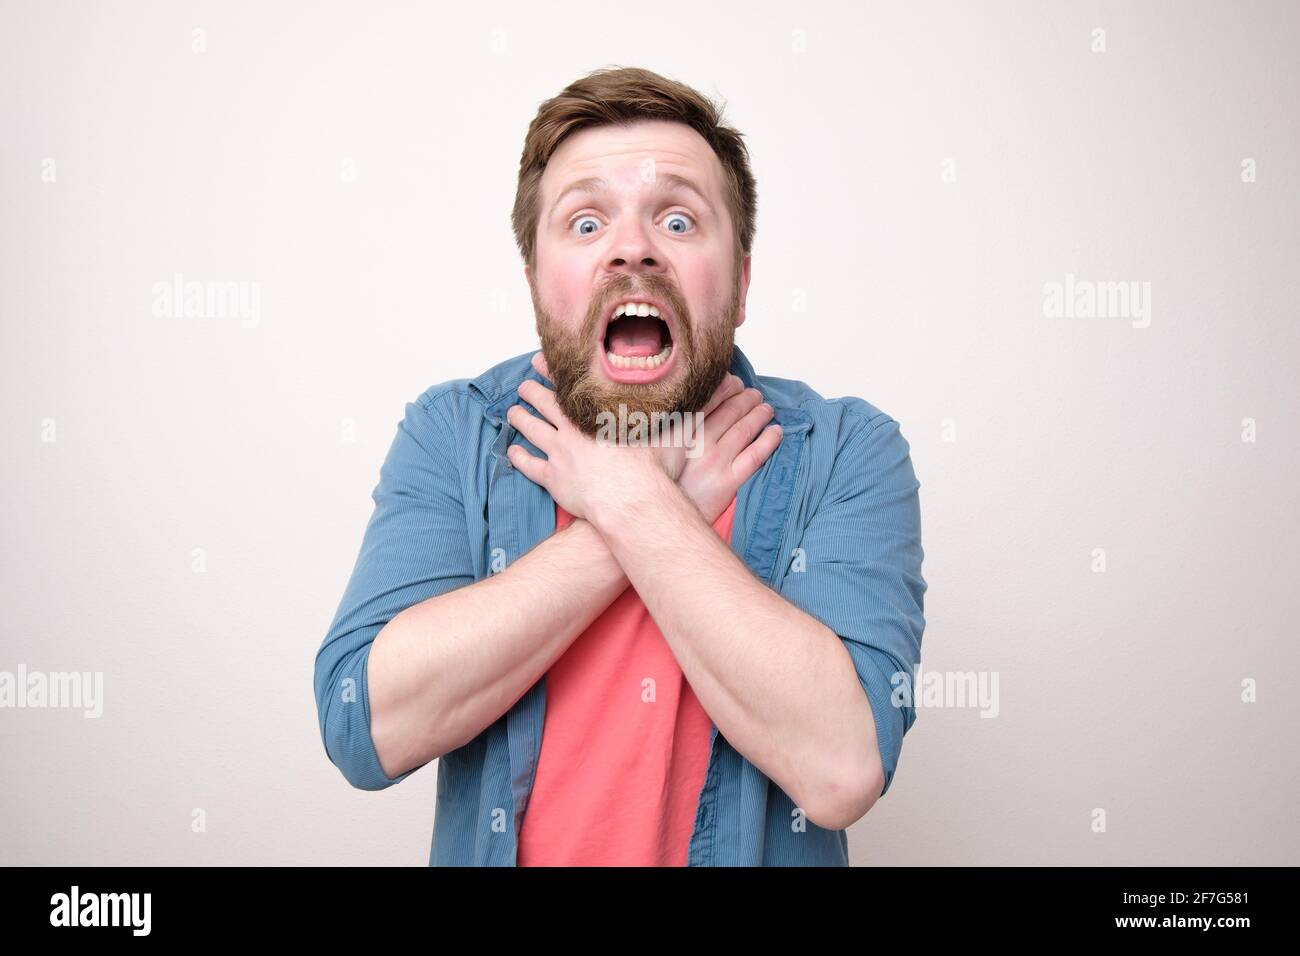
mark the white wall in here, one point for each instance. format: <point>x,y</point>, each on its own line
<point>358,164</point>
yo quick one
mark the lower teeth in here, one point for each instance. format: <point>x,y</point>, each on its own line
<point>639,361</point>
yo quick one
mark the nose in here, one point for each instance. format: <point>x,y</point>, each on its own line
<point>633,249</point>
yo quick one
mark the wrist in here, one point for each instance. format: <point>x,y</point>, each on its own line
<point>594,545</point>
<point>633,504</point>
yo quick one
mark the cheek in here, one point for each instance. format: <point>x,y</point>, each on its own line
<point>707,292</point>
<point>566,299</point>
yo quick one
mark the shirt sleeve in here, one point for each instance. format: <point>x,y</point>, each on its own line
<point>415,546</point>
<point>858,571</point>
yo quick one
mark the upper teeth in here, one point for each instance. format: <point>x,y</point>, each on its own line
<point>640,361</point>
<point>635,308</point>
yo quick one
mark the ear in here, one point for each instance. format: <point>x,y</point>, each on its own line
<point>744,290</point>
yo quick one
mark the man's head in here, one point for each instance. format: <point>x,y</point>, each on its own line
<point>632,191</point>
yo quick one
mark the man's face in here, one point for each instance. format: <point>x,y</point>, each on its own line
<point>641,236</point>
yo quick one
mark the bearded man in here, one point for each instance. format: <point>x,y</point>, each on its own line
<point>629,653</point>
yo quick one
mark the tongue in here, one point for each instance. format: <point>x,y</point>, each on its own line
<point>635,336</point>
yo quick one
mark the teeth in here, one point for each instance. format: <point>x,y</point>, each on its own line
<point>635,308</point>
<point>639,361</point>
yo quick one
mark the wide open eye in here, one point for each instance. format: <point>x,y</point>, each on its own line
<point>679,223</point>
<point>577,223</point>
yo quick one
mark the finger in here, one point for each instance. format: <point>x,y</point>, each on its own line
<point>729,386</point>
<point>539,364</point>
<point>743,432</point>
<point>752,458</point>
<point>531,467</point>
<point>542,399</point>
<point>536,430</point>
<point>720,419</point>
<point>729,413</point>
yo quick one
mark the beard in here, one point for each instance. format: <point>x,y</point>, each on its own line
<point>703,356</point>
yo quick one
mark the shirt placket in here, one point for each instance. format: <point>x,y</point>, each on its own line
<point>520,515</point>
<point>769,493</point>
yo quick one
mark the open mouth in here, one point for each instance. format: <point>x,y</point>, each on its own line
<point>638,342</point>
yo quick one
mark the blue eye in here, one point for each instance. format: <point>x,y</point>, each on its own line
<point>676,222</point>
<point>683,218</point>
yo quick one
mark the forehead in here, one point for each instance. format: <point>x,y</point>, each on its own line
<point>621,154</point>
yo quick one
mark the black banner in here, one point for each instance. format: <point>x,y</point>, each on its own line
<point>920,903</point>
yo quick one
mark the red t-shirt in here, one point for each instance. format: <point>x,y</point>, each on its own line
<point>625,746</point>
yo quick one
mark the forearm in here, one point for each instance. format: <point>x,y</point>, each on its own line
<point>778,683</point>
<point>444,669</point>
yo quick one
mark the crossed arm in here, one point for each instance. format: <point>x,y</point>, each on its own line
<point>779,683</point>
<point>443,668</point>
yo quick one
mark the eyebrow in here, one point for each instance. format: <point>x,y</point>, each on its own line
<point>663,182</point>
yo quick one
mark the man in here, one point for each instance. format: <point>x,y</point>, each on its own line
<point>681,651</point>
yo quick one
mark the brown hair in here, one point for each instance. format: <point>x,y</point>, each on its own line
<point>622,96</point>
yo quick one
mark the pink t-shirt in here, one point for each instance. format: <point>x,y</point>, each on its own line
<point>625,746</point>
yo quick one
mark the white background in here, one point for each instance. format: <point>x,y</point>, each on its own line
<point>358,162</point>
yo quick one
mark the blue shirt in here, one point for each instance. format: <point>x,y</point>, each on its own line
<point>831,521</point>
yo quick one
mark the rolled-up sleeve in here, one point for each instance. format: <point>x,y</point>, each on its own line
<point>858,571</point>
<point>415,546</point>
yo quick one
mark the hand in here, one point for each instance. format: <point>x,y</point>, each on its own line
<point>583,475</point>
<point>728,453</point>
<point>671,447</point>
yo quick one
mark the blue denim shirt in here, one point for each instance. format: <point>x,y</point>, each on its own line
<point>831,521</point>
